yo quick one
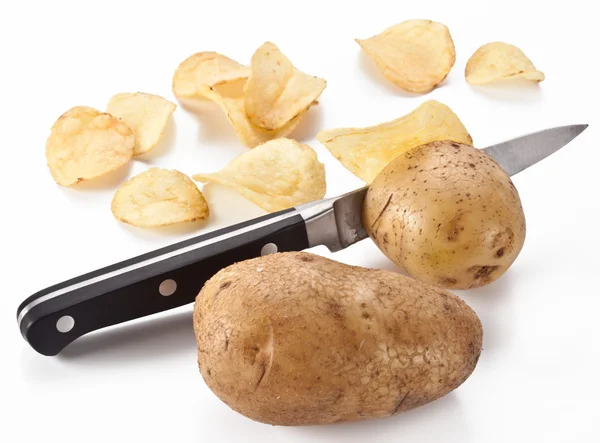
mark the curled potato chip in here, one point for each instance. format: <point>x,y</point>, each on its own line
<point>220,79</point>
<point>415,55</point>
<point>275,175</point>
<point>197,74</point>
<point>145,114</point>
<point>500,61</point>
<point>159,197</point>
<point>85,143</point>
<point>366,151</point>
<point>276,92</point>
<point>247,133</point>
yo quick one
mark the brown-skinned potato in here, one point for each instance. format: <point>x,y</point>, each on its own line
<point>447,214</point>
<point>299,339</point>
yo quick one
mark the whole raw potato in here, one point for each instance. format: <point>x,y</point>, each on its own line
<point>446,213</point>
<point>298,339</point>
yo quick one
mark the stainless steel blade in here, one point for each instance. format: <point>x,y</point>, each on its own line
<point>337,222</point>
<point>348,217</point>
<point>522,152</point>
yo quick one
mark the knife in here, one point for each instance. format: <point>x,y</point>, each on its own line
<point>172,276</point>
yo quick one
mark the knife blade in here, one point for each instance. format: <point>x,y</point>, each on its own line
<point>172,276</point>
<point>522,152</point>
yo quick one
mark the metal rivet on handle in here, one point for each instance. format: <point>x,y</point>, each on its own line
<point>167,287</point>
<point>269,248</point>
<point>65,323</point>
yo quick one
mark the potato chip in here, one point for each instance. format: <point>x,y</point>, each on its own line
<point>159,197</point>
<point>276,92</point>
<point>145,114</point>
<point>247,133</point>
<point>275,175</point>
<point>415,55</point>
<point>500,61</point>
<point>85,143</point>
<point>198,73</point>
<point>220,79</point>
<point>366,151</point>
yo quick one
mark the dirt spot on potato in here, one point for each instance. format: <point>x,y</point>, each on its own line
<point>482,273</point>
<point>453,234</point>
<point>225,285</point>
<point>306,258</point>
<point>503,239</point>
<point>454,226</point>
<point>334,309</point>
<point>222,286</point>
<point>447,281</point>
<point>500,252</point>
<point>510,234</point>
<point>385,239</point>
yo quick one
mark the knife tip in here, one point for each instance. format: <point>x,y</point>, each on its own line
<point>578,129</point>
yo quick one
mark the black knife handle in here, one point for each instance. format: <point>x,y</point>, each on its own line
<point>132,288</point>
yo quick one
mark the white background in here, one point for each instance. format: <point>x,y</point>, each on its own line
<point>538,376</point>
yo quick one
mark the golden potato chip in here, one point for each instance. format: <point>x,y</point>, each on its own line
<point>500,61</point>
<point>145,114</point>
<point>159,197</point>
<point>415,55</point>
<point>220,79</point>
<point>85,143</point>
<point>246,132</point>
<point>203,70</point>
<point>275,175</point>
<point>276,92</point>
<point>366,151</point>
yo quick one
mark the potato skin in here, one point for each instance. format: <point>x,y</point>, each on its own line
<point>298,339</point>
<point>447,214</point>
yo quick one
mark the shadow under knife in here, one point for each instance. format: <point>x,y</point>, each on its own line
<point>149,339</point>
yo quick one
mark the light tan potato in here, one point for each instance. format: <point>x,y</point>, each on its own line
<point>145,114</point>
<point>222,80</point>
<point>446,213</point>
<point>159,197</point>
<point>298,339</point>
<point>276,175</point>
<point>498,61</point>
<point>415,55</point>
<point>366,151</point>
<point>276,92</point>
<point>85,143</point>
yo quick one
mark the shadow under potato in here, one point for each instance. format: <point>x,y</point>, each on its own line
<point>492,305</point>
<point>445,413</point>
